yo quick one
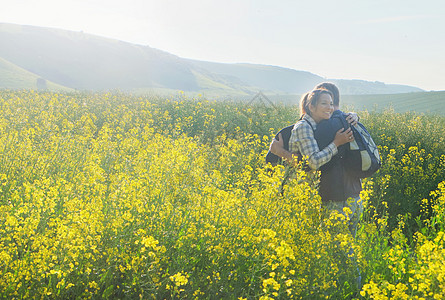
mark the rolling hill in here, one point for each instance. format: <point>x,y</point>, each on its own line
<point>75,60</point>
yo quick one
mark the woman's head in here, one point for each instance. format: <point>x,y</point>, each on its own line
<point>318,104</point>
<point>333,89</point>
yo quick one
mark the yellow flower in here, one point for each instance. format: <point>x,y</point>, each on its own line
<point>179,279</point>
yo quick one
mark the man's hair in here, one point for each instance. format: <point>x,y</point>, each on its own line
<point>312,97</point>
<point>333,89</point>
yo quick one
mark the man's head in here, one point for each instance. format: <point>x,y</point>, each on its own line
<point>333,89</point>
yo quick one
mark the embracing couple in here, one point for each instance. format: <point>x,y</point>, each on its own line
<point>321,138</point>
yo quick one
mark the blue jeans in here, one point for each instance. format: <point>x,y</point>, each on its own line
<point>356,206</point>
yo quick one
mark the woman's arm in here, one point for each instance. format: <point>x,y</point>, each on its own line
<point>302,139</point>
<point>307,145</point>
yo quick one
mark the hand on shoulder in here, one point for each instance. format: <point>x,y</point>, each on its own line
<point>343,136</point>
<point>276,146</point>
<point>352,118</point>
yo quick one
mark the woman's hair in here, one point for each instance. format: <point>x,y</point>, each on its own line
<point>312,97</point>
<point>333,89</point>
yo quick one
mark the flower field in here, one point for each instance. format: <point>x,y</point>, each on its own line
<point>113,196</point>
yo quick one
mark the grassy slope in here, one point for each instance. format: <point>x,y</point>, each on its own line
<point>14,77</point>
<point>423,102</point>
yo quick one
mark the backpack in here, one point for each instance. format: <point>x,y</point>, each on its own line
<point>285,134</point>
<point>273,159</point>
<point>362,158</point>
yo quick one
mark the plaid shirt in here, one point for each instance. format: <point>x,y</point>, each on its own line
<point>302,140</point>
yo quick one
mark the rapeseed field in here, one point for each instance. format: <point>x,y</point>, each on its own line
<point>114,196</point>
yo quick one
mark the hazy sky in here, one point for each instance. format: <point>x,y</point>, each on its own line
<point>394,41</point>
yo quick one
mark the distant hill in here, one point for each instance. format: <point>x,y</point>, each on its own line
<point>37,57</point>
<point>86,62</point>
<point>266,78</point>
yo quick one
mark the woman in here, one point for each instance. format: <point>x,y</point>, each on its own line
<point>316,106</point>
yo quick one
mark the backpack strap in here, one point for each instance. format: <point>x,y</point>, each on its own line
<point>312,127</point>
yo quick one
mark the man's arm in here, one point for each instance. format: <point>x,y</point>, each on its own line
<point>277,148</point>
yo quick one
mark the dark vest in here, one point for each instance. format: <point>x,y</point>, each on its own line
<point>332,173</point>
